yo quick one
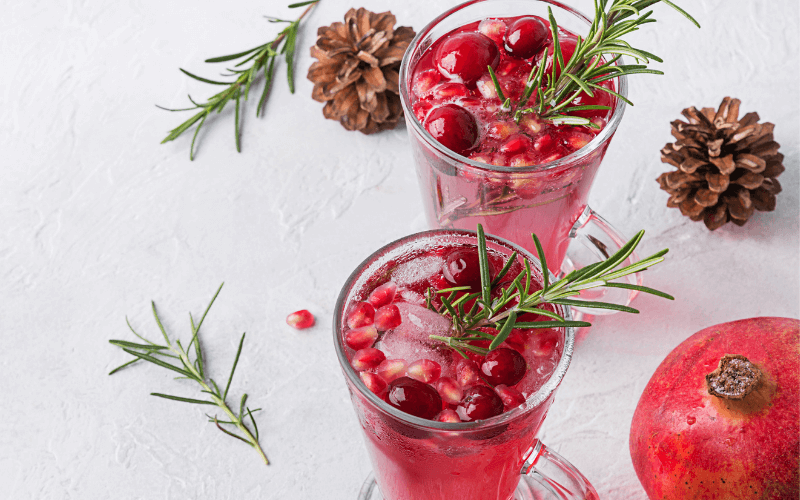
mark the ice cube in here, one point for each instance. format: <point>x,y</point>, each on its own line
<point>417,270</point>
<point>411,342</point>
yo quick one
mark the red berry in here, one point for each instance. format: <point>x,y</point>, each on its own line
<point>462,268</point>
<point>367,359</point>
<point>301,319</point>
<point>392,369</point>
<point>466,55</point>
<point>387,317</point>
<point>453,126</point>
<point>450,89</point>
<point>448,415</point>
<point>449,390</point>
<point>373,382</point>
<point>467,372</point>
<point>480,402</point>
<point>421,109</point>
<point>511,397</point>
<point>361,338</point>
<point>516,143</point>
<point>383,295</point>
<point>424,370</point>
<point>424,81</point>
<point>362,314</point>
<point>526,37</point>
<point>415,398</point>
<point>504,366</point>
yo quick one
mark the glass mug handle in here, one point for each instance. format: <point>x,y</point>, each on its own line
<point>554,473</point>
<point>593,239</point>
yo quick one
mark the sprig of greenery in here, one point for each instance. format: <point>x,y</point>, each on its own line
<point>174,357</point>
<point>263,58</point>
<point>516,299</point>
<point>553,93</point>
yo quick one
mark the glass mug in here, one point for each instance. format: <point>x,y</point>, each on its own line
<point>512,202</point>
<point>494,459</point>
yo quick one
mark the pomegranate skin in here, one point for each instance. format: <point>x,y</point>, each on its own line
<point>687,444</point>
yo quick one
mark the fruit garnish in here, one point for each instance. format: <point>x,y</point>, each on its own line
<point>173,356</point>
<point>301,319</point>
<point>414,397</point>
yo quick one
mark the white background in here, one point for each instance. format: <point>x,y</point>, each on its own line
<point>97,219</point>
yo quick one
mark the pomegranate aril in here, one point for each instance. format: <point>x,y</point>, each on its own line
<point>367,359</point>
<point>421,109</point>
<point>414,397</point>
<point>360,338</point>
<point>526,37</point>
<point>467,372</point>
<point>522,160</point>
<point>494,29</point>
<point>362,314</point>
<point>449,90</point>
<point>516,143</point>
<point>453,126</point>
<point>373,382</point>
<point>424,81</point>
<point>449,390</point>
<point>578,140</point>
<point>424,370</point>
<point>387,317</point>
<point>502,130</point>
<point>511,397</point>
<point>464,56</point>
<point>383,295</point>
<point>448,415</point>
<point>301,319</point>
<point>504,366</point>
<point>479,403</point>
<point>391,369</point>
<point>531,124</point>
<point>544,143</point>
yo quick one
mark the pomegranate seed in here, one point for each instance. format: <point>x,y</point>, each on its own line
<point>516,143</point>
<point>486,87</point>
<point>447,90</point>
<point>511,397</point>
<point>449,390</point>
<point>362,314</point>
<point>448,415</point>
<point>387,317</point>
<point>424,81</point>
<point>361,338</point>
<point>531,124</point>
<point>513,66</point>
<point>424,370</point>
<point>301,319</point>
<point>526,37</point>
<point>467,372</point>
<point>373,382</point>
<point>545,343</point>
<point>392,369</point>
<point>480,402</point>
<point>502,130</point>
<point>453,126</point>
<point>504,366</point>
<point>578,140</point>
<point>493,28</point>
<point>479,157</point>
<point>383,295</point>
<point>415,398</point>
<point>465,56</point>
<point>421,109</point>
<point>544,143</point>
<point>367,359</point>
<point>523,160</point>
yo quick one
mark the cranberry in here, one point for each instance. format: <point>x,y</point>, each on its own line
<point>387,317</point>
<point>504,366</point>
<point>424,370</point>
<point>453,126</point>
<point>567,44</point>
<point>367,359</point>
<point>300,319</point>
<point>373,382</point>
<point>415,398</point>
<point>362,314</point>
<point>392,369</point>
<point>511,397</point>
<point>480,402</point>
<point>449,390</point>
<point>526,37</point>
<point>466,55</point>
<point>462,268</point>
<point>361,338</point>
<point>383,295</point>
<point>448,415</point>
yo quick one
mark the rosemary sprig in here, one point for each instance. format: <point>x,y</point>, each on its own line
<point>554,92</point>
<point>263,62</point>
<point>173,356</point>
<point>502,312</point>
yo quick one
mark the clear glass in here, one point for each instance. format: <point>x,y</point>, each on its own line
<point>418,459</point>
<point>512,202</point>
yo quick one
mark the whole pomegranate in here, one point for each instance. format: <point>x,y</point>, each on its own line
<point>719,418</point>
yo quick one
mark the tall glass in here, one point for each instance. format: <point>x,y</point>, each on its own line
<point>419,459</point>
<point>512,202</point>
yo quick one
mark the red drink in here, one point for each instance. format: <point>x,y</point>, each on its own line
<point>438,426</point>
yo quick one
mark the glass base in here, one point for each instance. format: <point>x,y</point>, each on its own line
<point>527,489</point>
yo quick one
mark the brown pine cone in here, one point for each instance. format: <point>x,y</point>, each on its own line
<point>357,72</point>
<point>727,167</point>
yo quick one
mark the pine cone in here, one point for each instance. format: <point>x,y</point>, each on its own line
<point>356,74</point>
<point>727,167</point>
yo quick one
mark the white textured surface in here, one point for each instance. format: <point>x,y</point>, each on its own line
<point>97,218</point>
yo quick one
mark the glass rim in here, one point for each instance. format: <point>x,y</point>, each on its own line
<point>531,402</point>
<point>573,158</point>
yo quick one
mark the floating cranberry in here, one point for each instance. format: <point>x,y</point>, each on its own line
<point>367,359</point>
<point>300,319</point>
<point>415,398</point>
<point>360,338</point>
<point>453,126</point>
<point>526,37</point>
<point>449,390</point>
<point>387,317</point>
<point>462,268</point>
<point>362,314</point>
<point>449,416</point>
<point>511,397</point>
<point>392,369</point>
<point>383,295</point>
<point>424,370</point>
<point>373,382</point>
<point>480,402</point>
<point>504,366</point>
<point>466,55</point>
